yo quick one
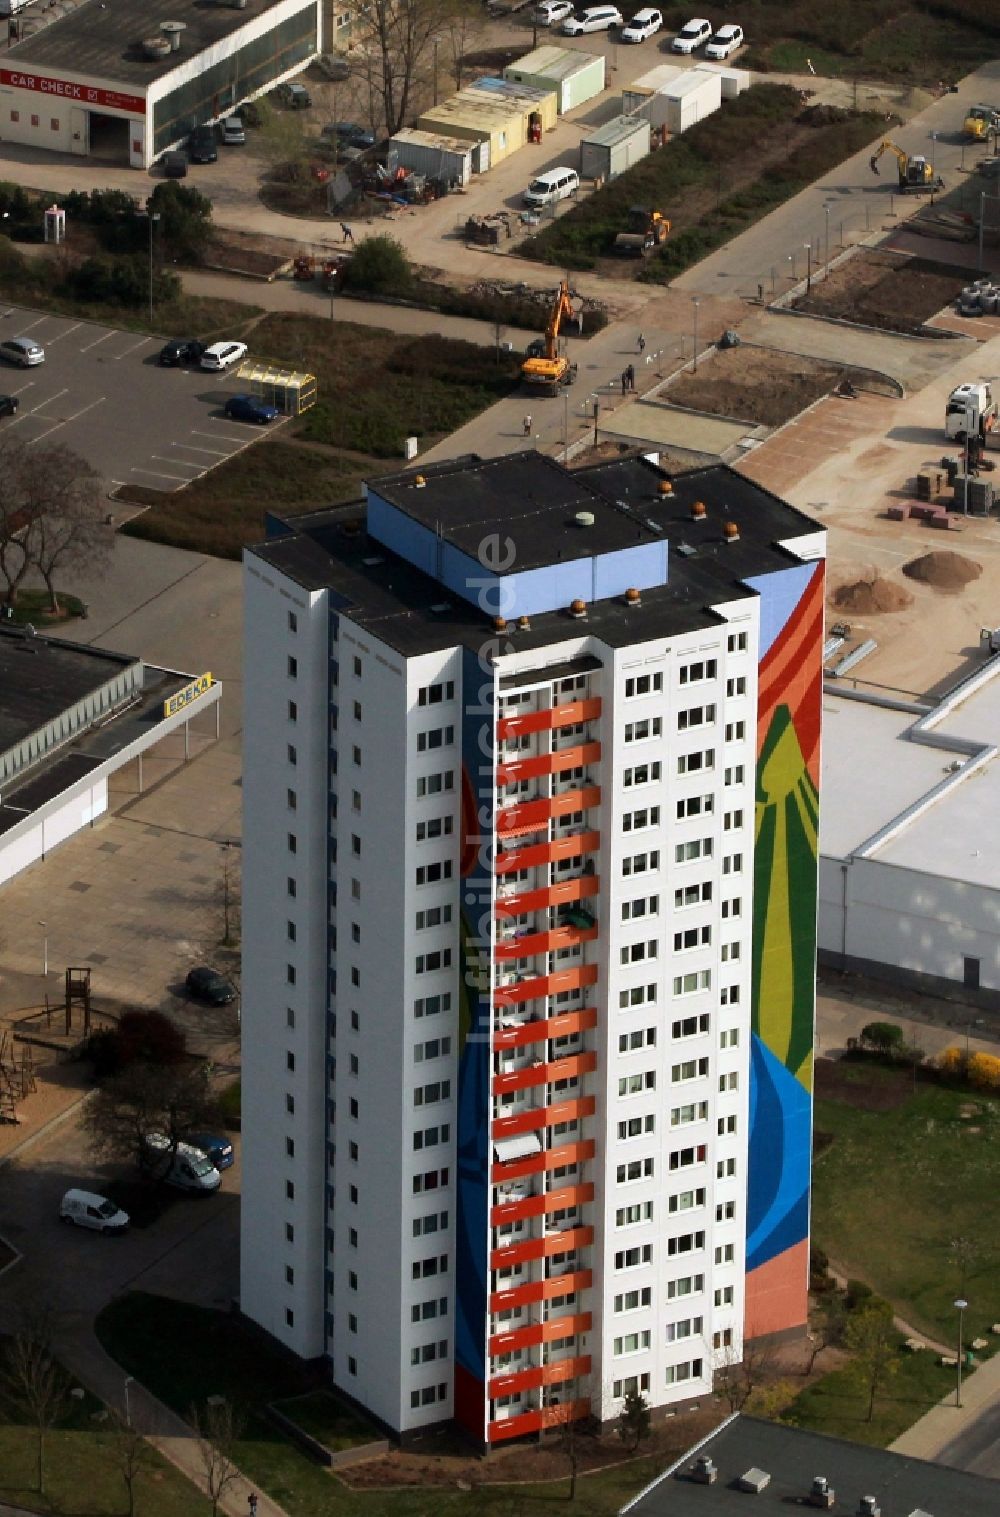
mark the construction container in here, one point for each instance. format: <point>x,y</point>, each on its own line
<point>691,98</point>
<point>536,99</point>
<point>438,157</point>
<point>575,76</point>
<point>644,96</point>
<point>734,80</point>
<point>614,147</point>
<point>482,116</point>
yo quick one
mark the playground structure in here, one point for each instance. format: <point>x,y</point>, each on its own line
<point>17,1075</point>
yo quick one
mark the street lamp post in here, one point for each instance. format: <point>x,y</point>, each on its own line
<point>809,267</point>
<point>45,949</point>
<point>960,1306</point>
<point>151,217</point>
<point>128,1415</point>
<point>695,303</point>
<point>826,213</point>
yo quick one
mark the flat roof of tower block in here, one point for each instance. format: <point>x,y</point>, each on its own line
<point>413,613</point>
<point>102,39</point>
<point>41,677</point>
<point>790,1458</point>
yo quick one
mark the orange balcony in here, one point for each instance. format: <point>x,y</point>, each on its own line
<point>544,1072</point>
<point>541,1290</point>
<point>540,1032</point>
<point>551,1158</point>
<point>535,1375</point>
<point>543,942</point>
<point>541,1205</point>
<point>540,1332</point>
<point>552,716</point>
<point>544,1116</point>
<point>531,855</point>
<point>563,894</point>
<point>528,816</point>
<point>513,770</point>
<point>537,1419</point>
<point>541,1248</point>
<point>545,985</point>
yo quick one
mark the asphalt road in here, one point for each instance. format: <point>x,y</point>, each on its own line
<point>978,1448</point>
<point>102,393</point>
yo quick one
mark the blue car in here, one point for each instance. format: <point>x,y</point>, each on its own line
<point>218,1150</point>
<point>249,408</point>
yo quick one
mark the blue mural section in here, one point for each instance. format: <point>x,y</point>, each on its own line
<point>474,1055</point>
<point>778,1181</point>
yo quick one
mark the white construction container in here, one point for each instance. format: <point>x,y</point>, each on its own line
<point>734,80</point>
<point>614,147</point>
<point>575,76</point>
<point>691,98</point>
<point>433,155</point>
<point>644,96</point>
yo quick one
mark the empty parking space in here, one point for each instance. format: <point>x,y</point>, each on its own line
<point>102,393</point>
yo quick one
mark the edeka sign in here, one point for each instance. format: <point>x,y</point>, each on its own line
<point>80,94</point>
<point>175,703</point>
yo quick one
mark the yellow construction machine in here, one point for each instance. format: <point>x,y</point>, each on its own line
<point>915,172</point>
<point>550,370</point>
<point>981,122</point>
<point>646,230</point>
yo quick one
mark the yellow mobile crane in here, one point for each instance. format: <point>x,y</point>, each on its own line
<point>550,370</point>
<point>915,172</point>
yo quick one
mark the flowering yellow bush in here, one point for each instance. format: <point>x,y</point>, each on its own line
<point>983,1071</point>
<point>951,1061</point>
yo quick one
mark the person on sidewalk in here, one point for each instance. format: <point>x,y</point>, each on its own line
<point>641,344</point>
<point>624,380</point>
<point>630,377</point>
<point>346,233</point>
<point>252,1503</point>
<point>527,425</point>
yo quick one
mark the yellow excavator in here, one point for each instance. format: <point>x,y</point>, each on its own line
<point>915,172</point>
<point>547,372</point>
<point>981,122</point>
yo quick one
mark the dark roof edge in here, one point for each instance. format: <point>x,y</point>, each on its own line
<point>42,639</point>
<point>672,1469</point>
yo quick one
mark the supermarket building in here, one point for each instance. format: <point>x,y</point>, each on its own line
<point>122,81</point>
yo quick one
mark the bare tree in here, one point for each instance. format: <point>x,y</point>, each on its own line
<point>218,1430</point>
<point>16,525</point>
<point>871,1339</point>
<point>396,40</point>
<point>70,525</point>
<point>634,1420</point>
<point>737,1377</point>
<point>144,1099</point>
<point>463,32</point>
<point>32,1381</point>
<point>130,1453</point>
<point>827,1328</point>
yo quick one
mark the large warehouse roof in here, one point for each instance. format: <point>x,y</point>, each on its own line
<point>102,39</point>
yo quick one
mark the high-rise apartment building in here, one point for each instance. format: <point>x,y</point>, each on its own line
<point>531,770</point>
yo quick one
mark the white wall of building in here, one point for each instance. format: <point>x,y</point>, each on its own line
<point>38,835</point>
<point>284,1023</point>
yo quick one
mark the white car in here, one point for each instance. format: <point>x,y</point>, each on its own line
<point>222,355</point>
<point>596,18</point>
<point>85,1209</point>
<point>692,35</point>
<point>726,40</point>
<point>551,11</point>
<point>644,23</point>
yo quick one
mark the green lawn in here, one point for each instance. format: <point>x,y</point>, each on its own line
<point>185,1353</point>
<point>897,1185</point>
<point>35,606</point>
<point>328,1420</point>
<point>838,1405</point>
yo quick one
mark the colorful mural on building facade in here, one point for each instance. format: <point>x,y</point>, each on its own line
<point>784,948</point>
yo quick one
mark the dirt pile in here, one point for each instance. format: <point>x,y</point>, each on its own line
<point>870,595</point>
<point>943,570</point>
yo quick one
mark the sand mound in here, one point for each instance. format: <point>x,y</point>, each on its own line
<point>944,570</point>
<point>872,594</point>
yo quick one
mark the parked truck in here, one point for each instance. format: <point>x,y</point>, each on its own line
<point>971,411</point>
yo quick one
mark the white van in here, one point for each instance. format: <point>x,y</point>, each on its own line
<point>85,1209</point>
<point>596,18</point>
<point>188,1169</point>
<point>553,185</point>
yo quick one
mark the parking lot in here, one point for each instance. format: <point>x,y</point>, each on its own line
<point>102,393</point>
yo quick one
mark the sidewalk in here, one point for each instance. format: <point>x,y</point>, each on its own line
<point>939,1427</point>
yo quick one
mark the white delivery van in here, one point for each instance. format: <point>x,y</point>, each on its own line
<point>85,1209</point>
<point>187,1168</point>
<point>553,185</point>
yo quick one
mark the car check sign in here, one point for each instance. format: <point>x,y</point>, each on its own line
<point>80,94</point>
<point>189,694</point>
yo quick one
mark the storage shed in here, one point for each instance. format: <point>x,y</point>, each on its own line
<point>645,97</point>
<point>429,153</point>
<point>534,97</point>
<point>500,124</point>
<point>691,98</point>
<point>734,80</point>
<point>614,147</point>
<point>575,76</point>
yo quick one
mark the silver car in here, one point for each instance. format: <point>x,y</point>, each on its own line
<point>24,351</point>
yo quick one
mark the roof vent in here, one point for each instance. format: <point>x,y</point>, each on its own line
<point>632,597</point>
<point>698,511</point>
<point>500,624</point>
<point>156,47</point>
<point>868,1507</point>
<point>665,487</point>
<point>753,1481</point>
<point>821,1493</point>
<point>731,532</point>
<point>704,1470</point>
<point>584,518</point>
<point>524,623</point>
<point>172,31</point>
<point>578,608</point>
<point>419,481</point>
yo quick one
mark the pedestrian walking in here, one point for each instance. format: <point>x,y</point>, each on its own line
<point>579,322</point>
<point>760,294</point>
<point>624,380</point>
<point>252,1503</point>
<point>630,376</point>
<point>641,344</point>
<point>527,425</point>
<point>346,233</point>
